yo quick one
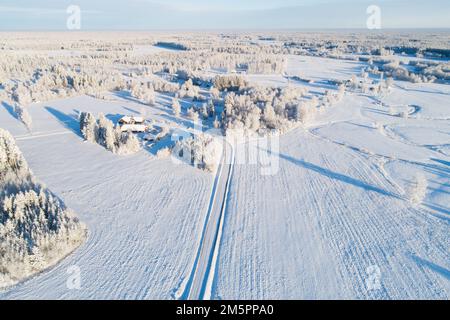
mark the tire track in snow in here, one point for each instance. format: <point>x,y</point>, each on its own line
<point>322,239</point>
<point>377,240</point>
<point>43,135</point>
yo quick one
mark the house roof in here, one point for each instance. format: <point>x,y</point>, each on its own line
<point>131,119</point>
<point>133,127</point>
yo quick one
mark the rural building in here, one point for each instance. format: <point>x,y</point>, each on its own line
<point>131,123</point>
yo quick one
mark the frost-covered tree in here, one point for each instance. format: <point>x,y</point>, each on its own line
<point>128,144</point>
<point>202,151</point>
<point>148,95</point>
<point>211,109</point>
<point>23,115</point>
<point>305,112</point>
<point>193,115</point>
<point>215,93</point>
<point>269,116</point>
<point>106,133</point>
<point>11,159</point>
<point>189,90</point>
<point>341,92</point>
<point>21,94</point>
<point>176,107</point>
<point>204,111</point>
<point>216,123</point>
<point>88,126</point>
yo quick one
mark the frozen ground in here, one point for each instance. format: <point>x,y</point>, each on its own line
<point>144,215</point>
<point>336,216</point>
<point>333,222</point>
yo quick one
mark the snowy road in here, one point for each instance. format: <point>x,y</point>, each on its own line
<point>202,275</point>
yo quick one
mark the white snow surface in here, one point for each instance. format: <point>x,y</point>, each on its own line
<point>333,222</point>
<point>143,214</point>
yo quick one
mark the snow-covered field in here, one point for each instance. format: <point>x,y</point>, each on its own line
<point>337,212</point>
<point>342,217</point>
<point>143,214</point>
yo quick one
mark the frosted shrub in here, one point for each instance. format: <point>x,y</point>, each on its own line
<point>418,189</point>
<point>305,113</point>
<point>176,107</point>
<point>149,96</point>
<point>36,229</point>
<point>380,128</point>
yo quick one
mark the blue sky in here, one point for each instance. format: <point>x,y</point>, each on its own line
<point>221,14</point>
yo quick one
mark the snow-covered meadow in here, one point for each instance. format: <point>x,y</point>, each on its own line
<point>357,206</point>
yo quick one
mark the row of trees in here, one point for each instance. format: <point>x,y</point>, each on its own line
<point>413,71</point>
<point>58,82</point>
<point>103,132</point>
<point>43,77</point>
<point>229,83</point>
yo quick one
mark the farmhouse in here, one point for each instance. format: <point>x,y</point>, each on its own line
<point>131,123</point>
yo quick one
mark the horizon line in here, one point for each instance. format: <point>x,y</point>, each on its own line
<point>229,29</point>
